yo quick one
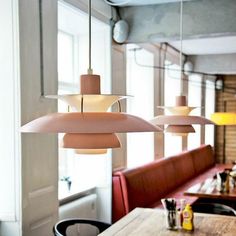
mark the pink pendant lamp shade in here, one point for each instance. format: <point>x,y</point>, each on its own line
<point>90,141</point>
<point>180,130</point>
<point>89,122</point>
<point>180,120</point>
<point>180,123</point>
<point>89,130</point>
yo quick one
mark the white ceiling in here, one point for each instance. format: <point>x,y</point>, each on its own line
<point>141,2</point>
<point>220,45</point>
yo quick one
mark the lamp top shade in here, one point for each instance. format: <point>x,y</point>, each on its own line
<point>91,102</point>
<point>90,141</point>
<point>224,118</point>
<point>178,110</point>
<point>180,120</point>
<point>89,122</point>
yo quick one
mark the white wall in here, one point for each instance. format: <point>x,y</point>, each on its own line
<point>39,151</point>
<point>9,120</point>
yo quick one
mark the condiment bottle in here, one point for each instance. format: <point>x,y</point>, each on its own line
<point>182,206</point>
<point>188,218</point>
<point>227,182</point>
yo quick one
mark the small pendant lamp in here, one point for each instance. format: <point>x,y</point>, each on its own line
<point>224,118</point>
<point>180,122</point>
<point>89,130</point>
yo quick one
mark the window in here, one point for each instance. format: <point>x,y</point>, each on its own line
<point>173,144</point>
<point>140,85</point>
<point>194,99</point>
<point>209,109</point>
<point>85,171</point>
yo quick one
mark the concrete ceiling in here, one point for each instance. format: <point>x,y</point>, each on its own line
<point>218,45</point>
<point>142,2</point>
<point>209,30</point>
<point>208,25</point>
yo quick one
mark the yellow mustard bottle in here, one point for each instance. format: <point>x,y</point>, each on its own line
<point>188,218</point>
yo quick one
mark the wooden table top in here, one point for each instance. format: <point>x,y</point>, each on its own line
<point>151,222</point>
<point>207,189</point>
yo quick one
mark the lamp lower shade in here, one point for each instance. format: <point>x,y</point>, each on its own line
<point>180,130</point>
<point>90,151</point>
<point>90,141</point>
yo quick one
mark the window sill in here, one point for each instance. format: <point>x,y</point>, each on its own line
<point>69,196</point>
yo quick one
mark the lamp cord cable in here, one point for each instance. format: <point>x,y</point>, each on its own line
<point>181,48</point>
<point>90,70</point>
<point>41,48</point>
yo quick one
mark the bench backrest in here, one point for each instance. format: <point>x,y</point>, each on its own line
<point>143,186</point>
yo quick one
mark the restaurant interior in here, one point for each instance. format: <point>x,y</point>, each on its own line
<point>120,117</point>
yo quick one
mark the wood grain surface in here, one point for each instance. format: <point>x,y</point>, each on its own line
<point>207,189</point>
<point>151,222</point>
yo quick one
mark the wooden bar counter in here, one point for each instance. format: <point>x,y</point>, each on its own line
<point>151,222</point>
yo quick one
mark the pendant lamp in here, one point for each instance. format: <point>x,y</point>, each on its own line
<point>89,130</point>
<point>224,118</point>
<point>179,122</point>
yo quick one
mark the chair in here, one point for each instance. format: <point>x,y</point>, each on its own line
<point>214,208</point>
<point>60,228</point>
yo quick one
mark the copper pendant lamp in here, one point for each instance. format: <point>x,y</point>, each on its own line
<point>89,130</point>
<point>180,122</point>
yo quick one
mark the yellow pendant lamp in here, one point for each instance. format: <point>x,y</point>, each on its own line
<point>224,118</point>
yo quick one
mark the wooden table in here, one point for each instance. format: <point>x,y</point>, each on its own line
<point>151,222</point>
<point>207,189</point>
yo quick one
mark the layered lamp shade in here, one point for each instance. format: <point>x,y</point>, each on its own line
<point>89,129</point>
<point>180,122</point>
<point>89,99</point>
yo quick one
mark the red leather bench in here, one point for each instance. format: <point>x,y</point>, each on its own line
<point>144,186</point>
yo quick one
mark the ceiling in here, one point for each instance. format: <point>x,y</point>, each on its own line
<point>198,46</point>
<point>211,44</point>
<point>218,45</point>
<point>141,2</point>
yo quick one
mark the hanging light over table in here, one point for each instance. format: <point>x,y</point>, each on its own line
<point>180,122</point>
<point>91,129</point>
